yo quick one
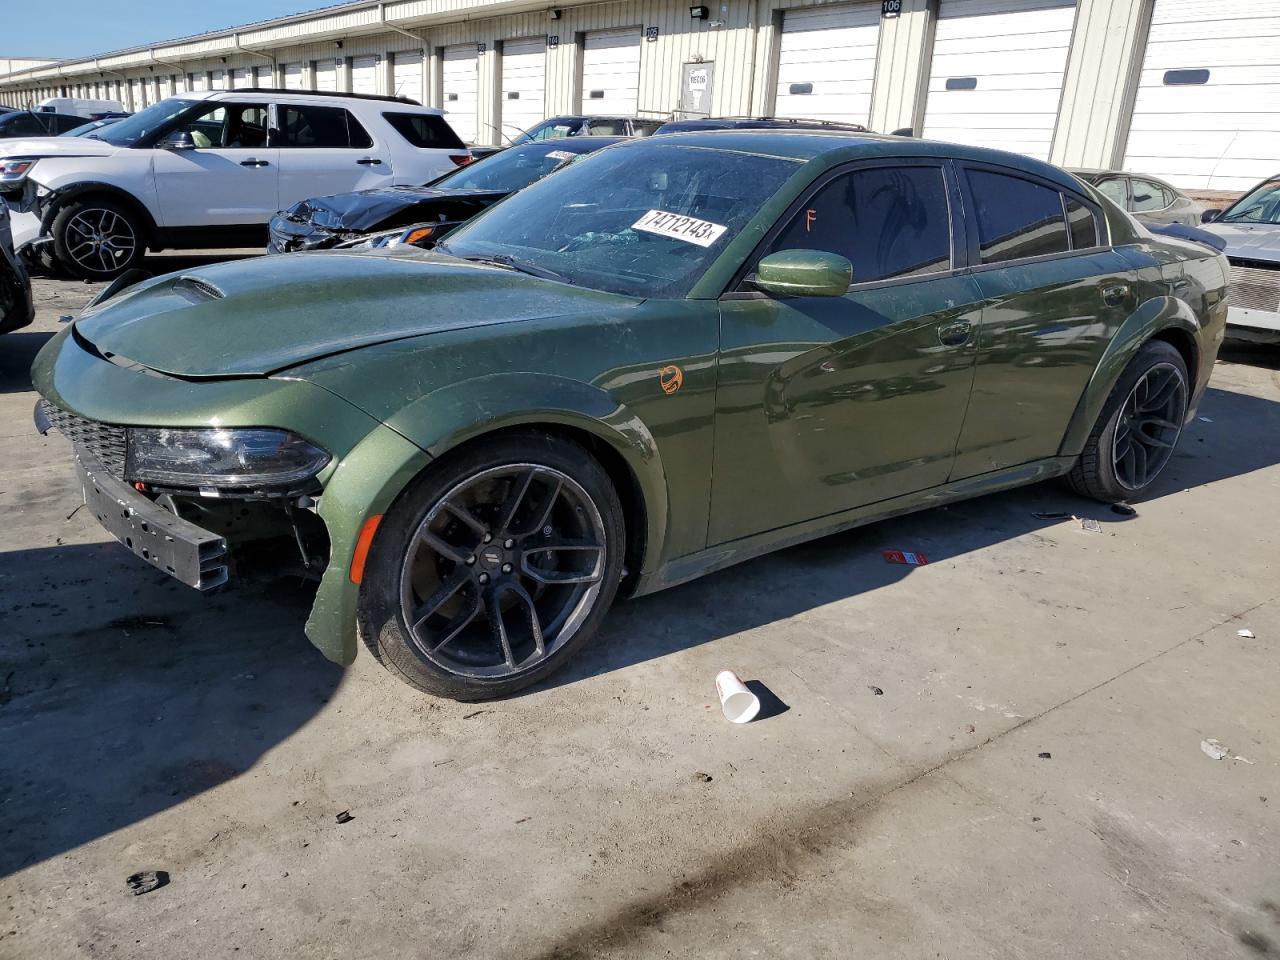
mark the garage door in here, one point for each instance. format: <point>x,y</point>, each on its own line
<point>407,77</point>
<point>524,81</point>
<point>459,75</point>
<point>1207,114</point>
<point>326,73</point>
<point>218,81</point>
<point>611,72</point>
<point>262,77</point>
<point>240,78</point>
<point>364,75</point>
<point>293,76</point>
<point>827,63</point>
<point>996,79</point>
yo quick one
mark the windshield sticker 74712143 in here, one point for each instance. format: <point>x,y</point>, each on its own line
<point>689,229</point>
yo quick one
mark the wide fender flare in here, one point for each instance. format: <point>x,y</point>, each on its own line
<point>462,412</point>
<point>1153,317</point>
<point>364,484</point>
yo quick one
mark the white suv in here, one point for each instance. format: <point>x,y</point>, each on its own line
<point>209,170</point>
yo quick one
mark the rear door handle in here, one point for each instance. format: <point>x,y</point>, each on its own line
<point>1115,295</point>
<point>955,333</point>
<point>370,161</point>
<point>254,163</point>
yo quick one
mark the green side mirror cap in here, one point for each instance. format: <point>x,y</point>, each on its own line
<point>804,273</point>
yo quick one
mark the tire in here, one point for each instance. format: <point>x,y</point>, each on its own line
<point>555,560</point>
<point>98,239</point>
<point>1108,468</point>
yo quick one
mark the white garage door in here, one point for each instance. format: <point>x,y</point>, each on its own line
<point>827,63</point>
<point>364,75</point>
<point>262,77</point>
<point>524,82</point>
<point>218,81</point>
<point>293,76</point>
<point>611,72</point>
<point>407,77</point>
<point>997,72</point>
<point>459,74</point>
<point>240,78</point>
<point>1207,113</point>
<point>326,74</point>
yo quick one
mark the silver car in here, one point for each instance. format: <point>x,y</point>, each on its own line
<point>1148,199</point>
<point>1251,228</point>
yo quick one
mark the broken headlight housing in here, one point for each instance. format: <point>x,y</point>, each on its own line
<point>408,236</point>
<point>235,458</point>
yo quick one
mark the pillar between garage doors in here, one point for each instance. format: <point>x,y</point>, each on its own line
<point>1100,85</point>
<point>902,67</point>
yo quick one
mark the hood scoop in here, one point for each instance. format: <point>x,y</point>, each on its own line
<point>197,290</point>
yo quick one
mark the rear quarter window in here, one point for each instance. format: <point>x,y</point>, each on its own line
<point>425,130</point>
<point>305,125</point>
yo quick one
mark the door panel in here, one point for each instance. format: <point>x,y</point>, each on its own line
<point>1042,334</point>
<point>231,178</point>
<point>828,403</point>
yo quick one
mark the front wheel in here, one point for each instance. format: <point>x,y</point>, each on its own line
<point>494,567</point>
<point>97,239</point>
<point>1138,428</point>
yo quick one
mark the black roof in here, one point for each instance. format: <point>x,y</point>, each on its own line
<point>326,93</point>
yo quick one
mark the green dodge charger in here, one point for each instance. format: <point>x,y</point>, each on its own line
<point>676,354</point>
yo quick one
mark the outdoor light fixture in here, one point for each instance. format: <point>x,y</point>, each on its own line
<point>338,44</point>
<point>698,13</point>
<point>553,14</point>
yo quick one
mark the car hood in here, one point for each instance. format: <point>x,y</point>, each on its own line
<point>262,316</point>
<point>366,209</point>
<point>1249,241</point>
<point>56,147</point>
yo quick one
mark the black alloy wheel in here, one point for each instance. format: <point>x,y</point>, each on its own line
<point>494,567</point>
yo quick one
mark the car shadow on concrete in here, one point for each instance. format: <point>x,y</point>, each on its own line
<point>17,351</point>
<point>123,693</point>
<point>1238,439</point>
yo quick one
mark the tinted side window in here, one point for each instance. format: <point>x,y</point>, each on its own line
<point>424,130</point>
<point>1114,190</point>
<point>1146,196</point>
<point>1016,218</point>
<point>1083,224</point>
<point>25,125</point>
<point>888,221</point>
<point>310,126</point>
<point>62,124</point>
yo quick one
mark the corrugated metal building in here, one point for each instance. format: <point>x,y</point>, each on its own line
<point>1185,89</point>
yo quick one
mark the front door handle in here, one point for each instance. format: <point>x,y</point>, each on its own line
<point>370,161</point>
<point>1115,295</point>
<point>955,333</point>
<point>251,162</point>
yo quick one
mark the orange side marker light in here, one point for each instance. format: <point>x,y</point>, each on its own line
<point>363,542</point>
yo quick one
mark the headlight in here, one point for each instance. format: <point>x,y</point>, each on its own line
<point>409,236</point>
<point>221,457</point>
<point>15,169</point>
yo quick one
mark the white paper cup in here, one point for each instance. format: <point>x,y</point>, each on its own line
<point>739,704</point>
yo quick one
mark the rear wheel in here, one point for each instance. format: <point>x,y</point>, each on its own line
<point>97,239</point>
<point>493,568</point>
<point>1139,426</point>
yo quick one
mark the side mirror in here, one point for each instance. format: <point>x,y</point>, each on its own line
<point>1210,215</point>
<point>804,273</point>
<point>178,140</point>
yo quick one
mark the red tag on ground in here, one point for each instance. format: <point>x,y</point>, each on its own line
<point>905,557</point>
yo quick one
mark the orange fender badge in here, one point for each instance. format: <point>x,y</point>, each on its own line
<point>671,378</point>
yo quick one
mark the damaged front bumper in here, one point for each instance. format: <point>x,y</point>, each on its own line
<point>28,215</point>
<point>291,236</point>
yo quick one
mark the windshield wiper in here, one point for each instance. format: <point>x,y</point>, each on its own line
<point>511,263</point>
